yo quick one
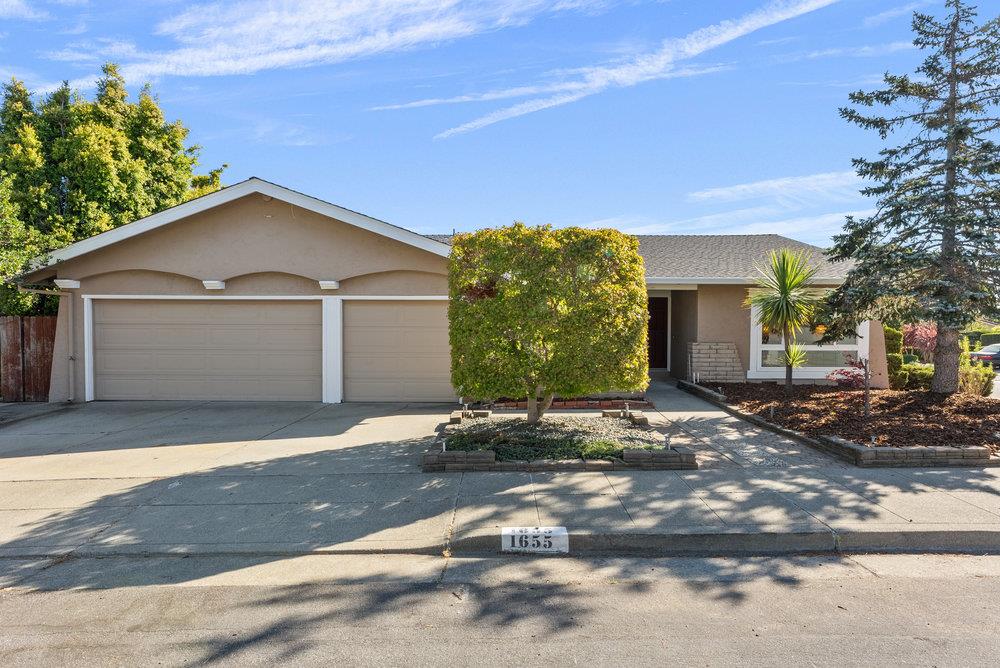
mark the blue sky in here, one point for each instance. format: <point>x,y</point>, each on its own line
<point>671,116</point>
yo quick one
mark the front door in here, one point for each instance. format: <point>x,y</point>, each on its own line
<point>659,332</point>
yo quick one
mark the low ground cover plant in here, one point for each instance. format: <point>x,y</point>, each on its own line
<point>555,437</point>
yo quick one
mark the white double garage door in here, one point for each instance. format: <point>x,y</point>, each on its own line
<point>327,349</point>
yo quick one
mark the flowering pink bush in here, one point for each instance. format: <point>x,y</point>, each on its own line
<point>921,337</point>
<point>852,377</point>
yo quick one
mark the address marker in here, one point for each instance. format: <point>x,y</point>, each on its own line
<point>534,540</point>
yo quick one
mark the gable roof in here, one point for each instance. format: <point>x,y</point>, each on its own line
<point>230,193</point>
<point>722,257</point>
<point>718,258</point>
<point>669,258</point>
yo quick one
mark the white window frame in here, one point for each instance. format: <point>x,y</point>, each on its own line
<point>759,372</point>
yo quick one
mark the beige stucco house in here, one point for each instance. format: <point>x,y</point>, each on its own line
<point>258,292</point>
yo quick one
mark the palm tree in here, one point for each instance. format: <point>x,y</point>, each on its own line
<point>786,302</point>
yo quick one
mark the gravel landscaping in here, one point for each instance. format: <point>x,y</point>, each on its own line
<point>555,437</point>
<point>898,418</point>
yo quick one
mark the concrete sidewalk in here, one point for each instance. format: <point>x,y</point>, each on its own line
<point>281,479</point>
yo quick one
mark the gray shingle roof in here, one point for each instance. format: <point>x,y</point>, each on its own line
<point>718,257</point>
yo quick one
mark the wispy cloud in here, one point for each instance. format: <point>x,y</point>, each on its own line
<point>866,51</point>
<point>796,206</point>
<point>816,229</point>
<point>20,9</point>
<point>894,12</point>
<point>786,190</point>
<point>249,36</point>
<point>779,40</point>
<point>569,87</point>
<point>282,132</point>
<point>860,82</point>
<point>659,64</point>
<point>93,52</point>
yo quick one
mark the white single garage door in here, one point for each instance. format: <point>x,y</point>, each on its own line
<point>225,350</point>
<point>397,351</point>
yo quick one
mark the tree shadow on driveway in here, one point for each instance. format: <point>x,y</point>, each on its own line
<point>255,509</point>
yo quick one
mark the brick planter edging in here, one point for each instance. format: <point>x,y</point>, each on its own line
<point>860,455</point>
<point>486,460</point>
<point>567,404</point>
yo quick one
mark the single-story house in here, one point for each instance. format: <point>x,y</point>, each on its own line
<point>258,292</point>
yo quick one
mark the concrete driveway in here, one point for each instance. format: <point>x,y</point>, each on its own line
<point>281,479</point>
<point>996,388</point>
<point>121,475</point>
<point>160,439</point>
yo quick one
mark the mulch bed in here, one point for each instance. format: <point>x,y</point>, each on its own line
<point>898,418</point>
<point>554,437</point>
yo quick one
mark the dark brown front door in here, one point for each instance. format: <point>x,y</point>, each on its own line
<point>659,331</point>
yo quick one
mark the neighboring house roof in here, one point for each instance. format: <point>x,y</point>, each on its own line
<point>228,194</point>
<point>717,258</point>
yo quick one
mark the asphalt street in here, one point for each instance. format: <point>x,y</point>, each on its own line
<point>420,610</point>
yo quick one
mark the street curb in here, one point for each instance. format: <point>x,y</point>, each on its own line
<point>828,541</point>
<point>583,544</point>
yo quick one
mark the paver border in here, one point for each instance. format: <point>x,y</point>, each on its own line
<point>438,460</point>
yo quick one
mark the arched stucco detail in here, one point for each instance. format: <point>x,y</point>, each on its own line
<point>395,283</point>
<point>140,282</point>
<point>271,283</point>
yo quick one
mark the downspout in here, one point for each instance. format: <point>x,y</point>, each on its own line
<point>69,331</point>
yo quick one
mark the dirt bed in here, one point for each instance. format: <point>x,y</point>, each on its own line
<point>898,419</point>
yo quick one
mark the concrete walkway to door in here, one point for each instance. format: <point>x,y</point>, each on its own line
<point>279,479</point>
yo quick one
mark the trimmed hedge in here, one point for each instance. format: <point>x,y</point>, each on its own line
<point>915,376</point>
<point>894,358</point>
<point>976,379</point>
<point>972,378</point>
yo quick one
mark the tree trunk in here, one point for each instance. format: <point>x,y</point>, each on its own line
<point>786,336</point>
<point>538,402</point>
<point>533,414</point>
<point>947,350</point>
<point>868,386</point>
<point>946,357</point>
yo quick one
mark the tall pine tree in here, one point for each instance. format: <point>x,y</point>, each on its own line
<point>932,248</point>
<point>71,168</point>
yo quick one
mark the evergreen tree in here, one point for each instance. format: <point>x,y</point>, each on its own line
<point>932,249</point>
<point>72,168</point>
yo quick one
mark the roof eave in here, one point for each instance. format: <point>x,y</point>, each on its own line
<point>725,280</point>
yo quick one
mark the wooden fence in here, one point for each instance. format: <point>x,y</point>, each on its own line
<point>26,344</point>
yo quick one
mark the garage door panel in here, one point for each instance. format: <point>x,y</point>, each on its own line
<point>377,340</point>
<point>233,350</point>
<point>397,351</point>
<point>125,361</point>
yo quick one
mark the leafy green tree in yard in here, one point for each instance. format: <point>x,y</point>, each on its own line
<point>933,244</point>
<point>18,244</point>
<point>786,301</point>
<point>537,312</point>
<point>79,167</point>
